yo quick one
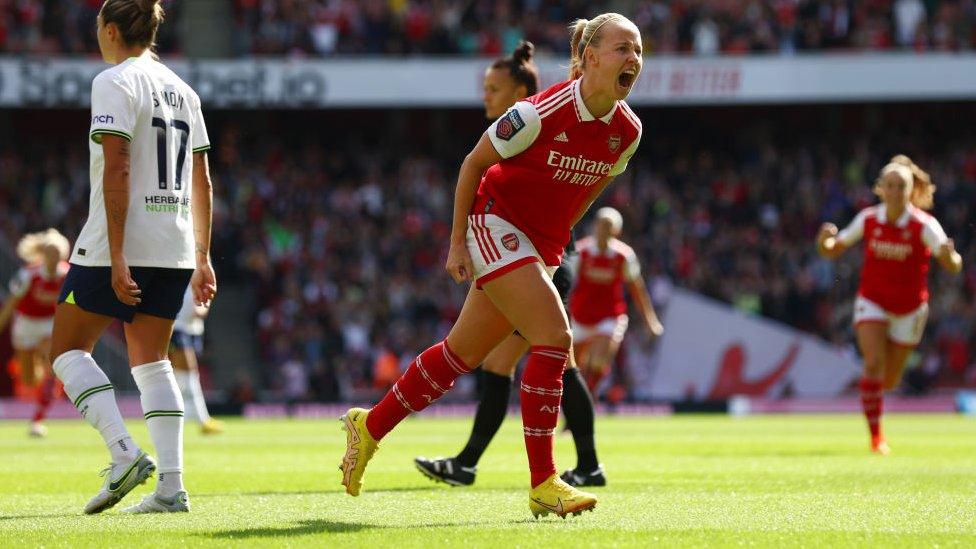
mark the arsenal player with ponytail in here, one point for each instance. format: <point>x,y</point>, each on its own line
<point>33,298</point>
<point>529,179</point>
<point>892,301</point>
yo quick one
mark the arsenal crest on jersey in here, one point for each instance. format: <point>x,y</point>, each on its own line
<point>511,242</point>
<point>614,142</point>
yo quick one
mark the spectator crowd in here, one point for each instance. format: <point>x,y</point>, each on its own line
<point>341,240</point>
<point>490,27</point>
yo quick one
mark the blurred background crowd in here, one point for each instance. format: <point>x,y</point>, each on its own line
<point>730,216</point>
<point>491,27</point>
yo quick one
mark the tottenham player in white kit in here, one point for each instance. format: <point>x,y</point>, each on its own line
<point>147,236</point>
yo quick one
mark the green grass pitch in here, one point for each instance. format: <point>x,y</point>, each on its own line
<point>684,480</point>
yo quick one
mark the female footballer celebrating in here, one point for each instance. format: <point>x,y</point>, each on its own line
<point>508,80</point>
<point>892,300</point>
<point>146,237</point>
<point>33,298</point>
<point>530,178</point>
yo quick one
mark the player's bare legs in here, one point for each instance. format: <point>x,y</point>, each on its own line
<point>872,339</point>
<point>480,328</point>
<point>524,298</point>
<point>600,351</point>
<point>896,357</point>
<point>76,329</point>
<point>74,337</point>
<point>529,300</point>
<point>503,359</point>
<point>47,389</point>
<point>27,360</point>
<point>147,338</point>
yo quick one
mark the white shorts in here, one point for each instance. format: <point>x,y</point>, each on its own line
<point>27,333</point>
<point>498,247</point>
<point>613,327</point>
<point>903,329</point>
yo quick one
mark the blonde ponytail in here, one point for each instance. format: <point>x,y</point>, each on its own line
<point>31,246</point>
<point>923,191</point>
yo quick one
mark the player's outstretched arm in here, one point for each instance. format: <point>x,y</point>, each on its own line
<point>115,190</point>
<point>482,157</point>
<point>8,310</point>
<point>827,243</point>
<point>948,257</point>
<point>643,301</point>
<point>204,281</point>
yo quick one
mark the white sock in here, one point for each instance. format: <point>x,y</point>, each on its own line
<point>169,484</point>
<point>163,406</point>
<point>189,383</point>
<point>90,391</point>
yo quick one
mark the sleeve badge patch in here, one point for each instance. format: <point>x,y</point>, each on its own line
<point>509,125</point>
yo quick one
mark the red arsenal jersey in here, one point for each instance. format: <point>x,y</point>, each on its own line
<point>554,150</point>
<point>896,256</point>
<point>600,276</point>
<point>38,291</point>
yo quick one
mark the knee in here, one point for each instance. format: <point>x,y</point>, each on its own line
<point>874,365</point>
<point>559,336</point>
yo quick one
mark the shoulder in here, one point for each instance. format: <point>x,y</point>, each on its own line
<point>553,98</point>
<point>926,221</point>
<point>120,75</point>
<point>630,117</point>
<point>29,272</point>
<point>869,214</point>
<point>920,216</point>
<point>551,91</point>
<point>584,244</point>
<point>622,249</point>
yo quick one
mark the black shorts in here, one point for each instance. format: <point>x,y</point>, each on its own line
<point>91,289</point>
<point>183,340</point>
<point>564,278</point>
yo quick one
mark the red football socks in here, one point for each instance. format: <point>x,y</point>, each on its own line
<point>45,395</point>
<point>429,376</point>
<point>872,403</point>
<point>541,391</point>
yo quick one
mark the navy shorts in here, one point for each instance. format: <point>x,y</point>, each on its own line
<point>90,288</point>
<point>183,340</point>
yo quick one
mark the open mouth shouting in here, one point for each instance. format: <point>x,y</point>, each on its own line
<point>627,78</point>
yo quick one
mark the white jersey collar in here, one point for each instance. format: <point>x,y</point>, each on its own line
<point>902,219</point>
<point>582,112</point>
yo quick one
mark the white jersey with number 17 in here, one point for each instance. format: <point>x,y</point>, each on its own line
<point>144,102</point>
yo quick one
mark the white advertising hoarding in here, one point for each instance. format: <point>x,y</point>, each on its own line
<point>711,351</point>
<point>431,82</point>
